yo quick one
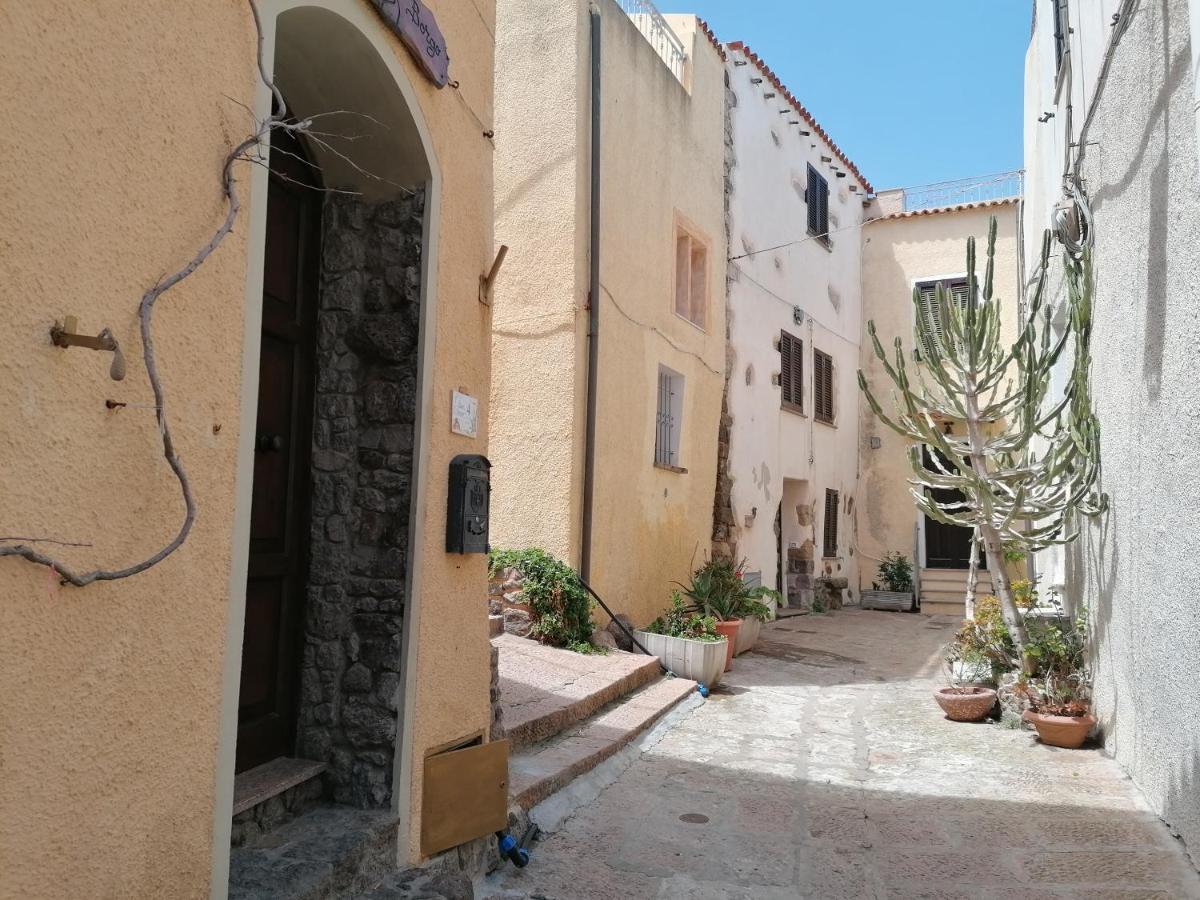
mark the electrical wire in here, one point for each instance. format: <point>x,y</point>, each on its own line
<point>660,333</point>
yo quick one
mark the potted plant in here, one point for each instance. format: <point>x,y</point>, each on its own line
<point>980,652</point>
<point>1058,692</point>
<point>717,589</point>
<point>687,643</point>
<point>895,574</point>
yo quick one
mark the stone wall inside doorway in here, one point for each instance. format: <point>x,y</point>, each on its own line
<point>366,393</point>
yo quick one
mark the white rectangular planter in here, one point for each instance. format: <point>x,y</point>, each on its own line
<point>751,628</point>
<point>886,600</point>
<point>702,661</point>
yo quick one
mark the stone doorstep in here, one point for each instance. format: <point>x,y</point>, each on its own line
<point>545,690</point>
<point>329,852</point>
<point>271,779</point>
<point>539,771</point>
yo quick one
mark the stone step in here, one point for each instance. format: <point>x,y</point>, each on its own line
<point>330,851</point>
<point>952,576</point>
<point>943,608</point>
<point>539,771</point>
<point>545,690</point>
<point>269,795</point>
<point>958,596</point>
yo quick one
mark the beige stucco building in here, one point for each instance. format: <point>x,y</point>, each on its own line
<point>122,725</point>
<point>902,250</point>
<point>659,304</point>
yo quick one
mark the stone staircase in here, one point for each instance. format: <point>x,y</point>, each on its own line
<point>565,713</point>
<point>944,591</point>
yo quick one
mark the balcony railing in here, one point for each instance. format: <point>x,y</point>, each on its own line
<point>965,190</point>
<point>649,21</point>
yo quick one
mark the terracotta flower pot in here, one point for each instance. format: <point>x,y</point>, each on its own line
<point>730,630</point>
<point>967,704</point>
<point>1060,731</point>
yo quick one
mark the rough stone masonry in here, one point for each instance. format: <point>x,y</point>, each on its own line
<point>365,412</point>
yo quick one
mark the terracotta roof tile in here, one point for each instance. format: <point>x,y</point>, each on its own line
<point>800,108</point>
<point>981,204</point>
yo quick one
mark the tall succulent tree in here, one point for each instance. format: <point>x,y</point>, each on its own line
<point>1027,461</point>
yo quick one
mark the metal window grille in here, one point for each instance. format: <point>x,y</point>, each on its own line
<point>831,524</point>
<point>666,435</point>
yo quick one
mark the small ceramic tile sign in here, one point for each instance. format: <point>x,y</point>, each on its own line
<point>464,414</point>
<point>418,31</point>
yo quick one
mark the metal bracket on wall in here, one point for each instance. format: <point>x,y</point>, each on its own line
<point>486,282</point>
<point>66,335</point>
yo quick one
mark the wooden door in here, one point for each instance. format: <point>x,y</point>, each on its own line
<point>279,517</point>
<point>946,546</point>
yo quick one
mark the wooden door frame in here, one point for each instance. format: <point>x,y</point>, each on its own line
<point>363,19</point>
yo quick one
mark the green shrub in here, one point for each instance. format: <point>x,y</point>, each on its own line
<point>717,589</point>
<point>560,605</point>
<point>682,621</point>
<point>895,571</point>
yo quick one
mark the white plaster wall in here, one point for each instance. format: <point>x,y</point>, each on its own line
<point>1135,569</point>
<point>770,444</point>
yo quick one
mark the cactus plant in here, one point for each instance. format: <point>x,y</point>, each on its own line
<point>1028,462</point>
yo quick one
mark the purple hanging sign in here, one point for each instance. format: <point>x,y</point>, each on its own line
<point>418,31</point>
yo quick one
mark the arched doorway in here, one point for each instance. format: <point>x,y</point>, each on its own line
<point>324,656</point>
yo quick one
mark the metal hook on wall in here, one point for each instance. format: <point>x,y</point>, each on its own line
<point>66,335</point>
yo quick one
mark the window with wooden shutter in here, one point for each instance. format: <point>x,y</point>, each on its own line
<point>816,195</point>
<point>954,288</point>
<point>831,524</point>
<point>791,372</point>
<point>822,387</point>
<point>691,277</point>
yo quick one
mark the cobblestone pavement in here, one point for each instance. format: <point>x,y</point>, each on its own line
<point>824,769</point>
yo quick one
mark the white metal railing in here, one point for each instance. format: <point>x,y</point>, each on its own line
<point>965,190</point>
<point>666,43</point>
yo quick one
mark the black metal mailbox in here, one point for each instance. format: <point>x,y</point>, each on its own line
<point>467,504</point>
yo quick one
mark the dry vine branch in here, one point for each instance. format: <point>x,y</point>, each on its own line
<point>145,313</point>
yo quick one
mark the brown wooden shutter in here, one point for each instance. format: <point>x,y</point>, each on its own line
<point>791,372</point>
<point>831,524</point>
<point>823,386</point>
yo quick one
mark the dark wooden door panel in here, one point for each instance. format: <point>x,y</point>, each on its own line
<point>279,528</point>
<point>946,546</point>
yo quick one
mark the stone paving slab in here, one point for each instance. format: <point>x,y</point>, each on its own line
<point>823,769</point>
<point>544,690</point>
<point>540,770</point>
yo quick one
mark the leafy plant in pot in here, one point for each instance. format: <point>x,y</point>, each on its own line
<point>895,573</point>
<point>686,642</point>
<point>717,590</point>
<point>980,652</point>
<point>1059,694</point>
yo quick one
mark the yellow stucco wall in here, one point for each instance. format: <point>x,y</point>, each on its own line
<point>662,157</point>
<point>114,769</point>
<point>896,253</point>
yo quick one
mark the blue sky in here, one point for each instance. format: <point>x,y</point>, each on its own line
<point>914,91</point>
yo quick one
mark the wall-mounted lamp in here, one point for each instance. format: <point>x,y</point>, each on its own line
<point>876,443</point>
<point>66,335</point>
<point>1045,117</point>
<point>753,515</point>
